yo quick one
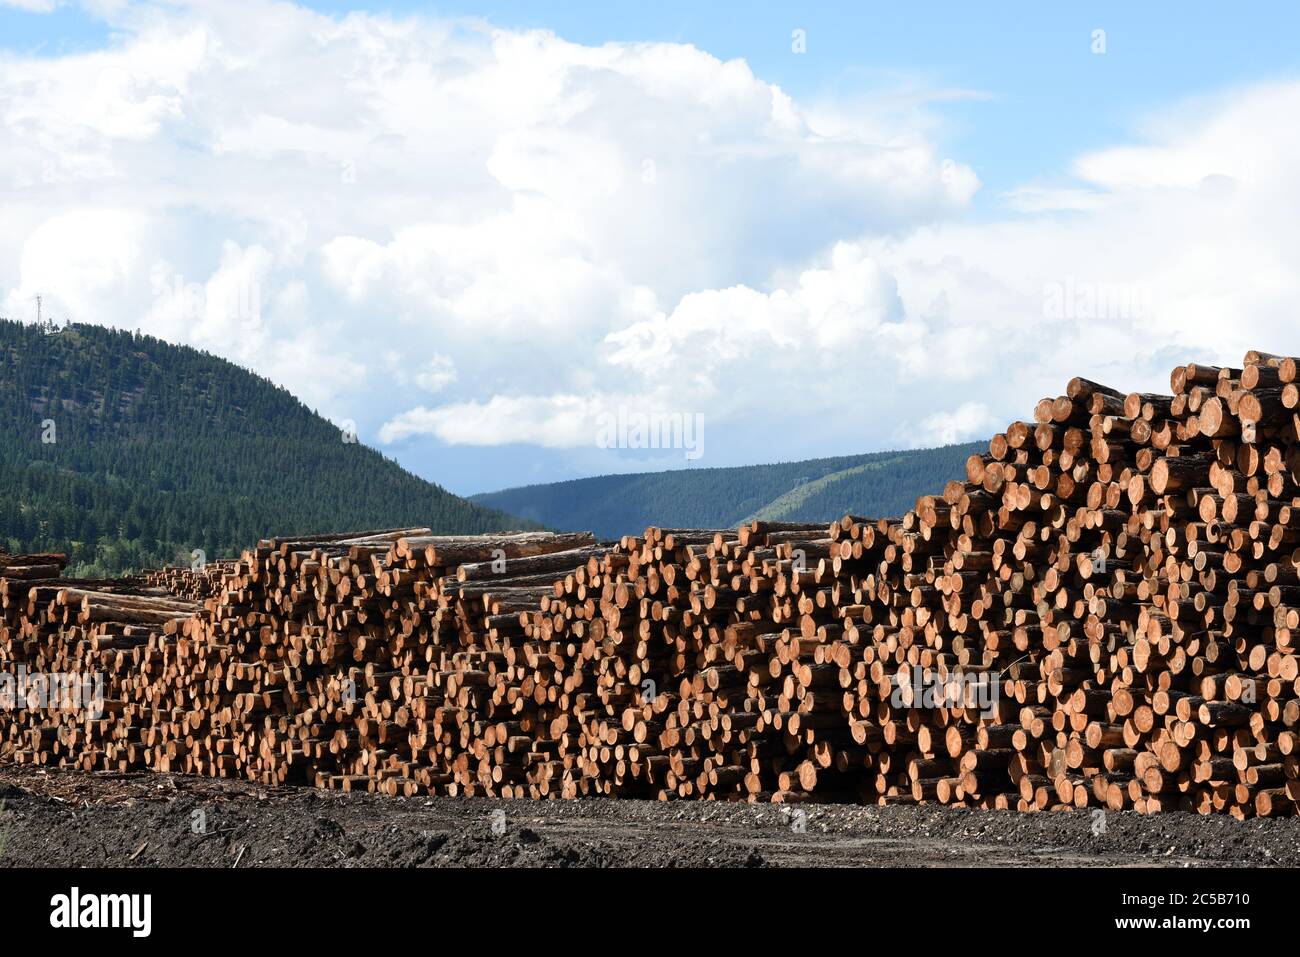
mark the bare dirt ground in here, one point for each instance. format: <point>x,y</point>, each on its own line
<point>60,818</point>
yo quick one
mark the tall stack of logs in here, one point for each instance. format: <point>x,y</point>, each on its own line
<point>1102,614</point>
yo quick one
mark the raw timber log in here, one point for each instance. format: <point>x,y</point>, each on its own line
<point>452,550</point>
<point>562,562</point>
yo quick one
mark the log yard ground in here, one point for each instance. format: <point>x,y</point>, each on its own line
<point>143,819</point>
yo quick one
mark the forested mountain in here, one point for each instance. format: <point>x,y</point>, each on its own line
<point>876,484</point>
<point>128,452</point>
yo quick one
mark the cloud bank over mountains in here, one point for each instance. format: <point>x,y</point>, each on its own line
<point>464,238</point>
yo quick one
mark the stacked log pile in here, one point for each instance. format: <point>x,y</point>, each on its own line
<point>31,567</point>
<point>201,580</point>
<point>1101,614</point>
<point>71,650</point>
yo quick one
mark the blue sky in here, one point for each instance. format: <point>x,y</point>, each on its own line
<point>474,244</point>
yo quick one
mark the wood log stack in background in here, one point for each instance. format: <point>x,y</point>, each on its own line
<point>201,580</point>
<point>1101,614</point>
<point>30,567</point>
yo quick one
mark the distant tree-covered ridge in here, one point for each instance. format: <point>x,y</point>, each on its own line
<point>128,452</point>
<point>878,484</point>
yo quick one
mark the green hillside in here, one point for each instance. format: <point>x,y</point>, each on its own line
<point>160,449</point>
<point>816,490</point>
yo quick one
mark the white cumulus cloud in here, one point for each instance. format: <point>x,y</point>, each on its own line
<point>438,373</point>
